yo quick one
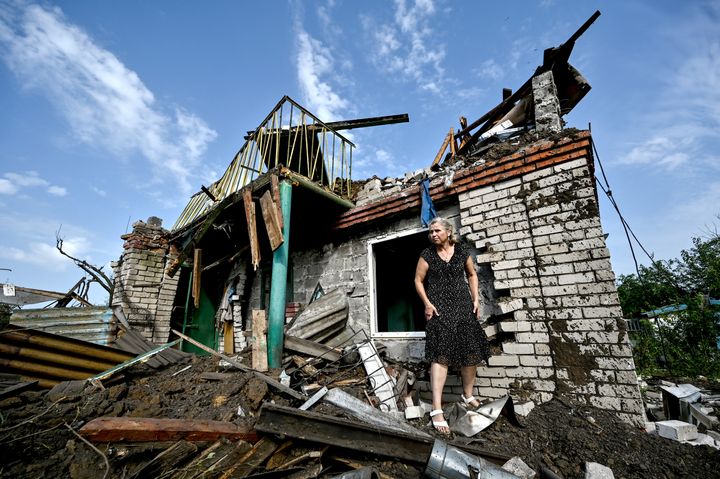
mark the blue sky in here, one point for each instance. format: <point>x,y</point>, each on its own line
<point>116,111</point>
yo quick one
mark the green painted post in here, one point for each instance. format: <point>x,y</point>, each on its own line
<point>278,283</point>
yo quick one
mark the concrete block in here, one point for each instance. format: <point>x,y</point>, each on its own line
<point>508,306</point>
<point>414,412</point>
<point>677,430</point>
<point>523,409</point>
<point>517,467</point>
<point>593,470</point>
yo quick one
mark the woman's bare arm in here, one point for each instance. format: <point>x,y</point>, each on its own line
<point>420,273</point>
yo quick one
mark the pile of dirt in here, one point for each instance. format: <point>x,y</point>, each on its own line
<point>36,440</point>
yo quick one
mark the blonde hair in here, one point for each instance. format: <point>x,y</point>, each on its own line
<point>447,226</point>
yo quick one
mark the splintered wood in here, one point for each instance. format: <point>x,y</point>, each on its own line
<point>272,223</point>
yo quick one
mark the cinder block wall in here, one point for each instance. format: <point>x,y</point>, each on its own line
<point>562,330</point>
<point>142,289</point>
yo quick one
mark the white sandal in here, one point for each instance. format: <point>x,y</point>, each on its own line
<point>472,398</point>
<point>439,424</point>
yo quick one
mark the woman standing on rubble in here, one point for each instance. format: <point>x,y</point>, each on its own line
<point>446,281</point>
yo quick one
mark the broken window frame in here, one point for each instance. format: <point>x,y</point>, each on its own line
<point>372,287</point>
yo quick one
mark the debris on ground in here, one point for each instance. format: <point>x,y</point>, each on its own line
<point>207,420</point>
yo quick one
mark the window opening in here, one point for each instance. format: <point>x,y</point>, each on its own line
<point>397,309</point>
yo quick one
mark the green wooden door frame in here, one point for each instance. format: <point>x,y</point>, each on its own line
<point>202,326</point>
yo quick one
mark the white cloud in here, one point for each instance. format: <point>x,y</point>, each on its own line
<point>407,46</point>
<point>29,178</point>
<point>658,150</point>
<point>684,124</point>
<point>368,163</point>
<point>489,69</point>
<point>14,182</point>
<point>314,64</point>
<point>57,190</point>
<point>7,187</point>
<point>105,103</point>
<point>46,254</point>
<point>100,192</point>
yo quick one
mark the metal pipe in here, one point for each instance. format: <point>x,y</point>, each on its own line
<point>278,283</point>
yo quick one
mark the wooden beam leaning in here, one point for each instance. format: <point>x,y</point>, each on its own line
<point>442,150</point>
<point>270,381</point>
<point>275,188</point>
<point>251,226</point>
<point>196,277</point>
<point>270,217</point>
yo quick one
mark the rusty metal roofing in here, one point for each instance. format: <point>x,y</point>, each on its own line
<point>51,358</point>
<point>96,325</point>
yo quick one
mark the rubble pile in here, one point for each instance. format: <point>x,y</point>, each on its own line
<point>206,419</point>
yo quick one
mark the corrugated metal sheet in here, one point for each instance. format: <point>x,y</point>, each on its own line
<point>50,358</point>
<point>134,342</point>
<point>96,325</point>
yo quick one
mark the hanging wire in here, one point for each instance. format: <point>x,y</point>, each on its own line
<point>626,226</point>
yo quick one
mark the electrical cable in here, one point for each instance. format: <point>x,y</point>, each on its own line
<point>626,226</point>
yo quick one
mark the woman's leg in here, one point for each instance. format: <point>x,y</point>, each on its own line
<point>438,375</point>
<point>468,380</point>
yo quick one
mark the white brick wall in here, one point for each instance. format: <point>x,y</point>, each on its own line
<point>547,247</point>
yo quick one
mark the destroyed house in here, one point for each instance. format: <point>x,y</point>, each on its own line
<point>286,230</point>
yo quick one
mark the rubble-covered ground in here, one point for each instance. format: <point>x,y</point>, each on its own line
<point>35,440</point>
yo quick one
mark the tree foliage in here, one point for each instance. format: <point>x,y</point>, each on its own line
<point>684,341</point>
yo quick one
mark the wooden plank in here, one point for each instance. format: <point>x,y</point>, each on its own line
<point>442,150</point>
<point>252,459</point>
<point>275,188</point>
<point>311,348</point>
<point>136,429</point>
<point>229,337</point>
<point>216,458</point>
<point>251,226</point>
<point>343,433</point>
<point>166,461</point>
<point>213,376</point>
<point>259,344</point>
<point>270,218</point>
<point>196,277</point>
<point>17,389</point>
<point>270,381</point>
<point>453,146</point>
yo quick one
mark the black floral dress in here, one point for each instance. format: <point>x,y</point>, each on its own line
<point>455,338</point>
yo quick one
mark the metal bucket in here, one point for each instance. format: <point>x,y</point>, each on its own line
<point>448,462</point>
